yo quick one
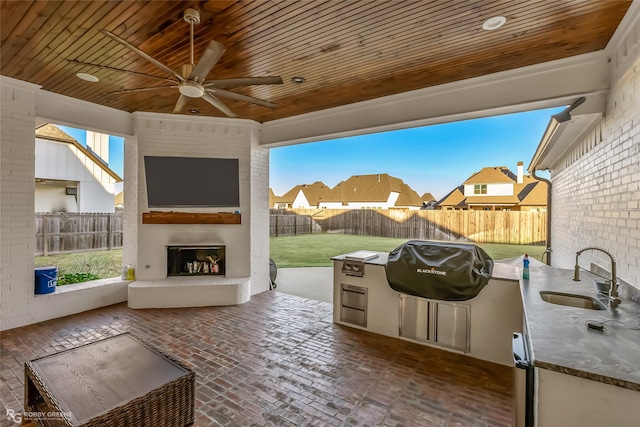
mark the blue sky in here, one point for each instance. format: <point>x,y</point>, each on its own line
<point>433,159</point>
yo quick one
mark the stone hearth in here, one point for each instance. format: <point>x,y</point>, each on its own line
<point>195,291</point>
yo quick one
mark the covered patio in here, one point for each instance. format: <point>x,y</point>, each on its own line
<point>280,361</point>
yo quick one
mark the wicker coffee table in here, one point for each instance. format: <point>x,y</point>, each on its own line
<point>118,381</point>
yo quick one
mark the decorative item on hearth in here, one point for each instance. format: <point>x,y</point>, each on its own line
<point>214,267</point>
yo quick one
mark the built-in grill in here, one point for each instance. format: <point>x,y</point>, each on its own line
<point>448,271</point>
<point>353,264</point>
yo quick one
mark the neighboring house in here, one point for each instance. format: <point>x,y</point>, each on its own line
<point>379,191</point>
<point>428,201</point>
<point>302,196</point>
<point>497,188</point>
<point>119,200</point>
<point>272,198</point>
<point>70,177</point>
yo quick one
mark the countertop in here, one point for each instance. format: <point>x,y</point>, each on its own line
<point>560,340</point>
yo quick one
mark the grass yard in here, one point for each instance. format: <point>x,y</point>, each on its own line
<point>304,250</point>
<point>316,250</point>
<point>103,264</point>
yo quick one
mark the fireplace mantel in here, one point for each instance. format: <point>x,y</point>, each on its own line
<point>191,218</point>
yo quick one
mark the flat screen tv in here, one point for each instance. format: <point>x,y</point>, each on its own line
<point>192,182</point>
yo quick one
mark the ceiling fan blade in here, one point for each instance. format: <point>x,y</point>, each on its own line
<point>244,81</point>
<point>142,54</point>
<point>89,64</point>
<point>218,104</point>
<point>182,101</point>
<point>209,58</point>
<point>142,89</point>
<point>241,97</point>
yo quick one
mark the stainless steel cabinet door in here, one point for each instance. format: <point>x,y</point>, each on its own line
<point>452,326</point>
<point>414,318</point>
<point>441,322</point>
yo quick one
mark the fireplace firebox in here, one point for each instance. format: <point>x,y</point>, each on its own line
<point>196,260</point>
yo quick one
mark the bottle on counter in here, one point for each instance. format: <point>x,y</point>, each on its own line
<point>123,275</point>
<point>525,267</point>
<point>131,274</point>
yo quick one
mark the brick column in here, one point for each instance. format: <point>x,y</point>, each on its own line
<point>17,218</point>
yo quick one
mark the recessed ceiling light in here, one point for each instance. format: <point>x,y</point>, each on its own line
<point>88,77</point>
<point>194,111</point>
<point>494,23</point>
<point>298,79</point>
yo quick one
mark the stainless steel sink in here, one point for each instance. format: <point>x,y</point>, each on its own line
<point>572,300</point>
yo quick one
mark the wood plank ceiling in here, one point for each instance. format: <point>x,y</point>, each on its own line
<point>347,51</point>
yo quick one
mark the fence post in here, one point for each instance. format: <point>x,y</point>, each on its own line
<point>109,227</point>
<point>45,235</point>
<point>277,224</point>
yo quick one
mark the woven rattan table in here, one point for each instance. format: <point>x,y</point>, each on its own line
<point>118,381</point>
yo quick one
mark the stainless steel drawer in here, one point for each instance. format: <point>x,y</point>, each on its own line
<point>351,315</point>
<point>353,304</point>
<point>354,299</point>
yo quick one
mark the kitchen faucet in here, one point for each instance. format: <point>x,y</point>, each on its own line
<point>613,291</point>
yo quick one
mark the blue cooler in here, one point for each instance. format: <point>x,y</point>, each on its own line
<point>46,279</point>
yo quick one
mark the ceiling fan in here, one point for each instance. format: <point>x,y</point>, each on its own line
<point>191,80</point>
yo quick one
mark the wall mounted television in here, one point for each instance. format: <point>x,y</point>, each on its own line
<point>192,182</point>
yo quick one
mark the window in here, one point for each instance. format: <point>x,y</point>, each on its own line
<point>480,189</point>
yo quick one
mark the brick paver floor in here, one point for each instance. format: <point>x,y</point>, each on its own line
<point>280,361</point>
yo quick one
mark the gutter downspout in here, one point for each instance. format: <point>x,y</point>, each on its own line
<point>549,216</point>
<point>556,120</point>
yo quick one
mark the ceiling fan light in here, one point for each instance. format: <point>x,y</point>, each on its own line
<point>191,90</point>
<point>494,23</point>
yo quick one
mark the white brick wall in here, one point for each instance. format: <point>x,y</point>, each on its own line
<point>17,218</point>
<point>596,187</point>
<point>170,135</point>
<point>259,188</point>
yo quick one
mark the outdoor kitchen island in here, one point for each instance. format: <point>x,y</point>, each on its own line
<point>476,327</point>
<point>583,377</point>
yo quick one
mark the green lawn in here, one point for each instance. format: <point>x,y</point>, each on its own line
<point>305,250</point>
<point>101,263</point>
<point>316,250</point>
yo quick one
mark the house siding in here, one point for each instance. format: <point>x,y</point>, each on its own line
<point>596,187</point>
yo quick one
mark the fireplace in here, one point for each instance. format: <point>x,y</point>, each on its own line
<point>196,260</point>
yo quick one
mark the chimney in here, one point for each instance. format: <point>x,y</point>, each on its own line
<point>520,172</point>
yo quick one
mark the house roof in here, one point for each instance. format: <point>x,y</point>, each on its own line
<point>428,197</point>
<point>272,197</point>
<point>455,198</point>
<point>53,133</point>
<point>314,193</point>
<point>374,188</point>
<point>349,51</point>
<point>533,192</point>
<point>492,175</point>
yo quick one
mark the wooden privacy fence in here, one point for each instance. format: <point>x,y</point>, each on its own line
<point>77,232</point>
<point>511,227</point>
